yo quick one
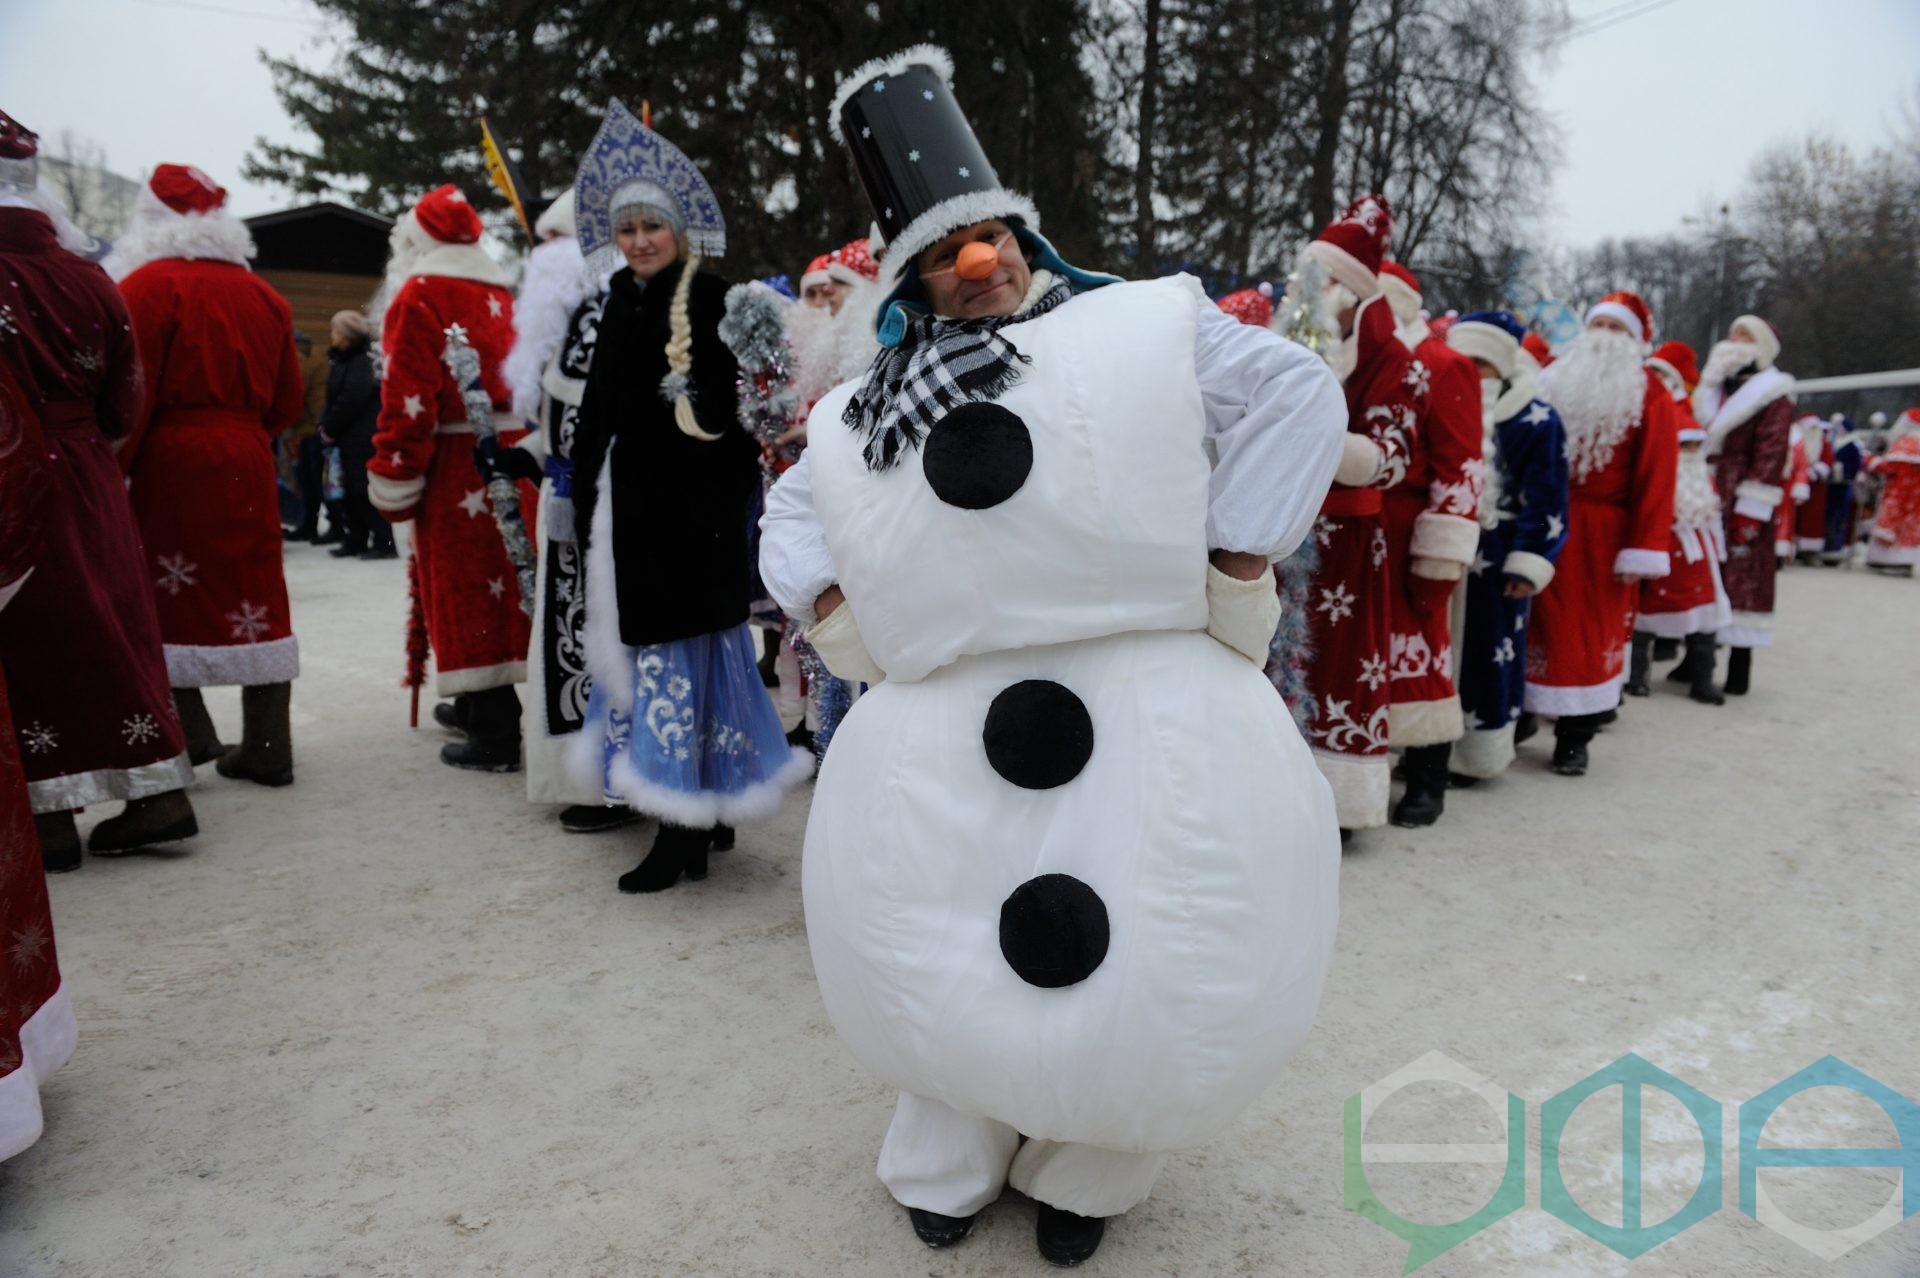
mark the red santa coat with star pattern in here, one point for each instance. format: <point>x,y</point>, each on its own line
<point>422,470</point>
<point>1433,514</point>
<point>223,379</point>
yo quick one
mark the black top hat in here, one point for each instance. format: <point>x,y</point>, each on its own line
<point>923,170</point>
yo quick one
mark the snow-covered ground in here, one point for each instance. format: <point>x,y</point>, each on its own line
<point>393,1021</point>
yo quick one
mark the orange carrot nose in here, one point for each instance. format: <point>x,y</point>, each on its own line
<point>976,261</point>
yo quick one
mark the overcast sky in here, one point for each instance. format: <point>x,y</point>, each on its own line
<point>1659,113</point>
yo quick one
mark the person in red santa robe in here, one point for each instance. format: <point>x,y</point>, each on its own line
<point>1433,536</point>
<point>1810,521</point>
<point>1337,306</point>
<point>1801,450</point>
<point>1621,453</point>
<point>423,470</point>
<point>1894,547</point>
<point>81,644</point>
<point>1689,604</point>
<point>37,1031</point>
<point>1746,405</point>
<point>223,379</point>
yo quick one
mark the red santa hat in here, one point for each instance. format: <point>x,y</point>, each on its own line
<point>19,154</point>
<point>446,216</point>
<point>851,263</point>
<point>1253,306</point>
<point>1402,290</point>
<point>1629,310</point>
<point>1677,360</point>
<point>1355,243</point>
<point>1762,334</point>
<point>1536,346</point>
<point>186,190</point>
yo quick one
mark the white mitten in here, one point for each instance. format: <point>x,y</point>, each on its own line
<point>837,640</point>
<point>1361,461</point>
<point>1243,614</point>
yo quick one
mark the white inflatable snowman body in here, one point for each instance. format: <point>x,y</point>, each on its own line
<point>1070,866</point>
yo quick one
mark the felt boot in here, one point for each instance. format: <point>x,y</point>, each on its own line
<point>265,752</point>
<point>1425,769</point>
<point>1700,656</point>
<point>1639,665</point>
<point>159,818</point>
<point>59,841</point>
<point>203,740</point>
<point>1065,1239</point>
<point>1739,671</point>
<point>493,733</point>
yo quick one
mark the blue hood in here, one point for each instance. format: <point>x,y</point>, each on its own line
<point>909,300</point>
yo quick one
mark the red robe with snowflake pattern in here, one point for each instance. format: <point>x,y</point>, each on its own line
<point>1433,514</point>
<point>1619,520</point>
<point>1896,524</point>
<point>423,470</point>
<point>80,643</point>
<point>1350,594</point>
<point>222,380</point>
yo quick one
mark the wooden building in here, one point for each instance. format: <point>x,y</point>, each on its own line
<point>322,258</point>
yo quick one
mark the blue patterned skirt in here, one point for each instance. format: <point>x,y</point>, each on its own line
<point>699,741</point>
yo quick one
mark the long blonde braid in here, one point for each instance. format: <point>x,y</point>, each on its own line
<point>680,356</point>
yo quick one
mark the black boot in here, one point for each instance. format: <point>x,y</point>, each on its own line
<point>1639,664</point>
<point>593,818</point>
<point>1700,658</point>
<point>203,741</point>
<point>1571,733</point>
<point>59,841</point>
<point>939,1231</point>
<point>1683,672</point>
<point>1425,768</point>
<point>676,850</point>
<point>769,653</point>
<point>452,715</point>
<point>265,752</point>
<point>1665,649</point>
<point>1066,1239</point>
<point>1526,727</point>
<point>722,838</point>
<point>493,733</point>
<point>158,818</point>
<point>1739,671</point>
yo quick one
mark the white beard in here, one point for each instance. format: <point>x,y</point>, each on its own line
<point>1726,359</point>
<point>1598,386</point>
<point>554,285</point>
<point>1695,503</point>
<point>829,349</point>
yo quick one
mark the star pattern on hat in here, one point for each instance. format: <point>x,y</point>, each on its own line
<point>879,86</point>
<point>927,94</point>
<point>965,171</point>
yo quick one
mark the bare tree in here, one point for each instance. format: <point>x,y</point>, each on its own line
<point>99,200</point>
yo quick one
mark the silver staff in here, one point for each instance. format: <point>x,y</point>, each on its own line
<point>502,494</point>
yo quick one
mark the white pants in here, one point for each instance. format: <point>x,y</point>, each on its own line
<point>940,1160</point>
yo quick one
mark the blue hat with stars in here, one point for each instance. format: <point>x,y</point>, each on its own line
<point>1493,336</point>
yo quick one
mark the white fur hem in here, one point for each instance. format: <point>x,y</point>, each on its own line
<point>1361,785</point>
<point>932,56</point>
<point>1424,723</point>
<point>1451,537</point>
<point>1810,544</point>
<point>394,495</point>
<point>1748,630</point>
<point>46,1042</point>
<point>1483,752</point>
<point>223,665</point>
<point>607,657</point>
<point>449,683</point>
<point>1556,701</point>
<point>1704,619</point>
<point>948,216</point>
<point>697,810</point>
<point>1892,556</point>
<point>83,789</point>
<point>1647,563</point>
<point>1524,564</point>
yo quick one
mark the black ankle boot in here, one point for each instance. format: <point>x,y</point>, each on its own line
<point>676,850</point>
<point>1065,1239</point>
<point>723,838</point>
<point>1640,662</point>
<point>1739,671</point>
<point>1665,649</point>
<point>1526,727</point>
<point>1570,737</point>
<point>1700,657</point>
<point>452,715</point>
<point>1683,672</point>
<point>593,818</point>
<point>493,733</point>
<point>939,1231</point>
<point>1425,769</point>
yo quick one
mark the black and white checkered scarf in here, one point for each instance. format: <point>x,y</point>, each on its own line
<point>938,365</point>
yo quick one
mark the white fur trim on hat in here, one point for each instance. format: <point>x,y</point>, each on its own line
<point>1763,337</point>
<point>952,213</point>
<point>1676,384</point>
<point>920,55</point>
<point>1404,300</point>
<point>1614,310</point>
<point>811,278</point>
<point>1345,268</point>
<point>1489,342</point>
<point>844,274</point>
<point>558,218</point>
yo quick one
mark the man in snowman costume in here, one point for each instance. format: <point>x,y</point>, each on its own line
<point>1071,875</point>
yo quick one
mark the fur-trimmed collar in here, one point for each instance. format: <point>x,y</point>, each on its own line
<point>1521,390</point>
<point>1725,414</point>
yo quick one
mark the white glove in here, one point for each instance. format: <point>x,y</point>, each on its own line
<point>1243,614</point>
<point>837,640</point>
<point>1361,461</point>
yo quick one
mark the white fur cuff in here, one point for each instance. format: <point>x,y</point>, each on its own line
<point>837,640</point>
<point>1360,462</point>
<point>1801,492</point>
<point>1436,569</point>
<point>1243,614</point>
<point>1451,537</point>
<point>394,495</point>
<point>1645,563</point>
<point>1756,500</point>
<point>1528,566</point>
